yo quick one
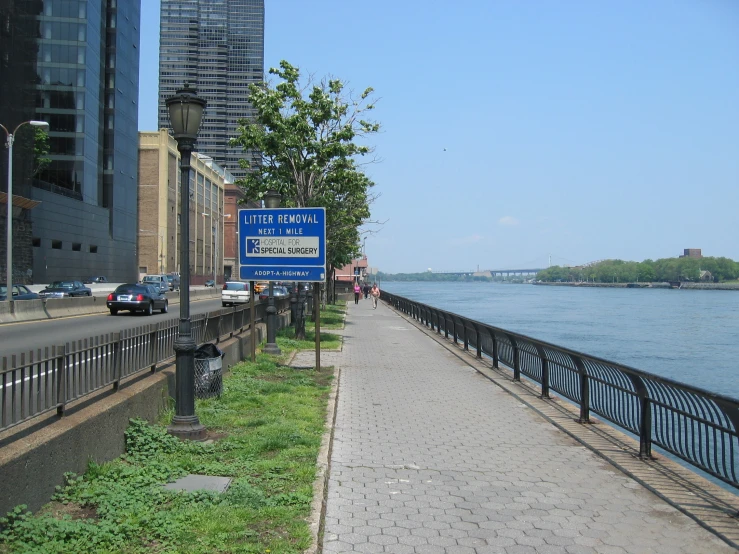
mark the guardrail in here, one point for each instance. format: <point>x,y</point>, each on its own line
<point>51,377</point>
<point>697,426</point>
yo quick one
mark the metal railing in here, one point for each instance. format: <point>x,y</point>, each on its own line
<point>51,377</point>
<point>697,426</point>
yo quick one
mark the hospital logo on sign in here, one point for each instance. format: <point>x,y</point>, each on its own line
<point>252,246</point>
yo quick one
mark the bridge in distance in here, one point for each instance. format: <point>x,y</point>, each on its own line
<point>493,272</point>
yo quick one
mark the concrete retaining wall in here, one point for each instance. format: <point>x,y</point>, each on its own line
<point>35,456</point>
<point>52,308</point>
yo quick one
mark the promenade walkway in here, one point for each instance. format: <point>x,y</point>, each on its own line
<point>431,455</point>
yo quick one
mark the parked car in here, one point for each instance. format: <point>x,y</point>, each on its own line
<point>260,286</point>
<point>277,291</point>
<point>234,292</point>
<point>97,279</point>
<point>136,297</point>
<point>174,281</point>
<point>159,281</point>
<point>20,292</point>
<point>64,289</point>
<point>210,283</point>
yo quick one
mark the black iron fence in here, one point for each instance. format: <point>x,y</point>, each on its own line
<point>51,377</point>
<point>698,426</point>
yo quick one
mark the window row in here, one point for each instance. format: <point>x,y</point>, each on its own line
<point>59,245</point>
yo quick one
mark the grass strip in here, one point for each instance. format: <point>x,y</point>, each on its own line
<point>266,431</point>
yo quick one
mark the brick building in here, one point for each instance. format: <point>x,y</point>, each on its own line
<point>159,210</point>
<point>692,253</point>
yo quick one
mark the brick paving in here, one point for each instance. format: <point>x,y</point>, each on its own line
<point>430,456</point>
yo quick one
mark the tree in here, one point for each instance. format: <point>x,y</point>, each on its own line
<point>307,140</point>
<point>40,151</point>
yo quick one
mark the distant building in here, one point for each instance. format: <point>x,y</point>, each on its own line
<point>355,271</point>
<point>692,253</point>
<point>160,214</point>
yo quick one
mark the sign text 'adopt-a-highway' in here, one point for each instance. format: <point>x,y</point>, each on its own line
<point>282,244</point>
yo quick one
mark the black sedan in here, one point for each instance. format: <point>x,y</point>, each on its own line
<point>136,297</point>
<point>20,292</point>
<point>65,289</point>
<point>277,292</point>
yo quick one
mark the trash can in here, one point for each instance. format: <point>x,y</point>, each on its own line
<point>208,371</point>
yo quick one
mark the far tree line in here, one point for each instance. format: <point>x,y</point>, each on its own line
<point>664,269</point>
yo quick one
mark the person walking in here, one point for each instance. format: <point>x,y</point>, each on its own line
<point>375,293</point>
<point>365,290</point>
<point>357,292</point>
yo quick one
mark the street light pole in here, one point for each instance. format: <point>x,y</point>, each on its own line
<point>271,200</point>
<point>9,237</point>
<point>185,113</point>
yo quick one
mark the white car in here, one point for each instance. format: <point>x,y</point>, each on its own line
<point>234,292</point>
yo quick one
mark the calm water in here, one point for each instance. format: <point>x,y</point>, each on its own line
<point>688,335</point>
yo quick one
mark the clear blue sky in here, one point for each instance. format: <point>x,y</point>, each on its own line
<point>581,130</point>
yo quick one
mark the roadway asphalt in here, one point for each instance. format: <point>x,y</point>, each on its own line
<point>434,453</point>
<point>23,337</point>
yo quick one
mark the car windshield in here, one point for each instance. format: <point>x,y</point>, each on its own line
<point>61,285</point>
<point>170,278</point>
<point>235,286</point>
<point>151,279</point>
<point>3,289</point>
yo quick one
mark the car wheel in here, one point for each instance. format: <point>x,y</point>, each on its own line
<point>166,307</point>
<point>150,309</point>
<point>113,311</point>
<point>89,293</point>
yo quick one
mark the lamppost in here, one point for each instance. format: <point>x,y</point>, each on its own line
<point>10,140</point>
<point>271,200</point>
<point>185,112</point>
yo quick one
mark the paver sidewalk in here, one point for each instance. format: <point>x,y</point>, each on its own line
<point>429,456</point>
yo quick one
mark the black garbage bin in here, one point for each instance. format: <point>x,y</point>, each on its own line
<point>208,371</point>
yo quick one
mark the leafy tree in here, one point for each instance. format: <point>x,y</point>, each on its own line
<point>308,139</point>
<point>40,151</point>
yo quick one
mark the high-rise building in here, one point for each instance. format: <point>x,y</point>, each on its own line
<point>75,65</point>
<point>217,46</point>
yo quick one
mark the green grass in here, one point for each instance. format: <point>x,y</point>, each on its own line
<point>267,429</point>
<point>333,316</point>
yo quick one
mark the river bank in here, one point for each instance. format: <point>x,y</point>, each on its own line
<point>682,285</point>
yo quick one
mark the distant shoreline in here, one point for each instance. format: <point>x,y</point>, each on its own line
<point>661,285</point>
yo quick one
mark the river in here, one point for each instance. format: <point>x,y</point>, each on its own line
<point>691,336</point>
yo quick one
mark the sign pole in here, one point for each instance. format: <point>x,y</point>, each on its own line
<point>317,311</point>
<point>252,309</point>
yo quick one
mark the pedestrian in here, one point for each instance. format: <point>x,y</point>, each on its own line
<point>366,290</point>
<point>357,292</point>
<point>375,292</point>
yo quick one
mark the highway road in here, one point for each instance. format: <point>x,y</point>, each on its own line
<point>23,337</point>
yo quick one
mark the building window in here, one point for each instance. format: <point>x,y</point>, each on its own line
<point>36,242</point>
<point>93,249</point>
<point>76,246</point>
<point>56,244</point>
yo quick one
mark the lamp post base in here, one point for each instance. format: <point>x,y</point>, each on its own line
<point>272,348</point>
<point>187,428</point>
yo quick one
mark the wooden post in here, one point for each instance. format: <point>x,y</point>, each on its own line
<point>252,324</point>
<point>317,312</point>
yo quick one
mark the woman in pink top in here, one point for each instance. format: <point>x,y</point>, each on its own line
<point>357,292</point>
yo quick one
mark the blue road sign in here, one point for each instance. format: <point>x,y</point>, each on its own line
<point>282,244</point>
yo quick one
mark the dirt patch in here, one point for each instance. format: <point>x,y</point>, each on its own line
<point>58,510</point>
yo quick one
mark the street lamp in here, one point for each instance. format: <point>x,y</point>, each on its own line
<point>10,140</point>
<point>185,113</point>
<point>271,200</point>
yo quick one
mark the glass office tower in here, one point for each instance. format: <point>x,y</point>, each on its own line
<point>217,46</point>
<point>75,64</point>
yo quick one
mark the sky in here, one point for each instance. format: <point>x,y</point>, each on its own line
<point>519,134</point>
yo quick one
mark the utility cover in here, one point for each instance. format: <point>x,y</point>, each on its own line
<point>191,483</point>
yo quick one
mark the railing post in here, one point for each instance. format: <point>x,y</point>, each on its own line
<point>544,371</point>
<point>153,347</point>
<point>466,338</point>
<point>446,327</point>
<point>61,376</point>
<point>584,390</point>
<point>454,330</point>
<point>516,359</point>
<point>478,342</point>
<point>496,359</point>
<point>645,416</point>
<point>116,360</point>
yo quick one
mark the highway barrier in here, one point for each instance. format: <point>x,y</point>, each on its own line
<point>53,308</point>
